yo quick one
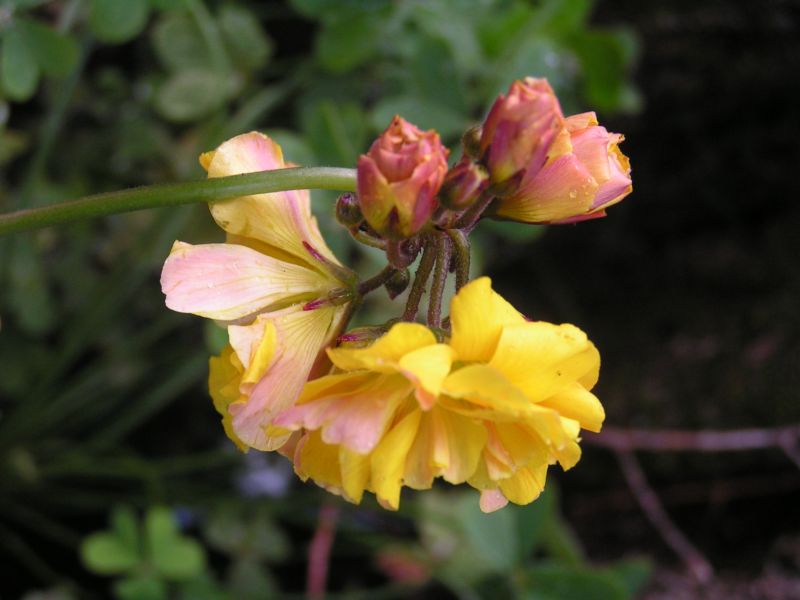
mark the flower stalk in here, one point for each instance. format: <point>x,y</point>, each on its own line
<point>156,196</point>
<point>420,280</point>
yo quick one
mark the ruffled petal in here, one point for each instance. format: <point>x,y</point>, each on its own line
<point>478,315</point>
<point>525,486</point>
<point>228,282</point>
<point>481,391</point>
<point>562,189</point>
<point>492,500</point>
<point>224,374</point>
<point>426,368</point>
<point>300,335</point>
<point>576,402</point>
<point>281,219</point>
<point>384,355</point>
<point>389,459</point>
<point>542,358</point>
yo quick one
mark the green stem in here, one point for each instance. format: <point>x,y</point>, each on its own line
<point>462,251</point>
<point>376,281</point>
<point>172,194</point>
<point>420,279</point>
<point>439,279</point>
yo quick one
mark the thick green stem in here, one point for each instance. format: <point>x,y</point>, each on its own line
<point>373,283</point>
<point>439,279</point>
<point>155,196</point>
<point>420,279</point>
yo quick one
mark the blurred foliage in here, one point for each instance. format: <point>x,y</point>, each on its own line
<point>102,395</point>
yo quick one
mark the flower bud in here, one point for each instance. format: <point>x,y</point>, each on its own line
<point>399,177</point>
<point>585,173</point>
<point>398,283</point>
<point>519,129</point>
<point>463,185</point>
<point>348,212</point>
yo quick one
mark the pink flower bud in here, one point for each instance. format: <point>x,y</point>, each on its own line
<point>584,174</point>
<point>520,129</point>
<point>463,184</point>
<point>399,177</point>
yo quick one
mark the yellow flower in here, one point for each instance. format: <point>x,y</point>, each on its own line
<point>270,283</point>
<point>493,407</point>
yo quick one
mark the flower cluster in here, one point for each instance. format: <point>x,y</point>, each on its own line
<point>482,396</point>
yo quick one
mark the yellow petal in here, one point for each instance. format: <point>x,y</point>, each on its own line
<point>426,368</point>
<point>254,345</point>
<point>478,315</point>
<point>355,472</point>
<point>525,486</point>
<point>300,335</point>
<point>447,445</point>
<point>575,402</point>
<point>281,219</point>
<point>224,375</point>
<point>389,458</point>
<point>482,391</point>
<point>319,461</point>
<point>541,358</point>
<point>523,448</point>
<point>384,355</point>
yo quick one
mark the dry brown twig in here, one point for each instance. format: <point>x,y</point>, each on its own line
<point>624,442</point>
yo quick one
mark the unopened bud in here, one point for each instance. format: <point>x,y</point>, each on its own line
<point>471,142</point>
<point>463,184</point>
<point>398,179</point>
<point>398,283</point>
<point>348,212</point>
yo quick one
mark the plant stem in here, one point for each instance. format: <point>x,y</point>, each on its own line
<point>376,281</point>
<point>461,248</point>
<point>470,217</point>
<point>172,194</point>
<point>420,279</point>
<point>439,279</point>
<point>367,239</point>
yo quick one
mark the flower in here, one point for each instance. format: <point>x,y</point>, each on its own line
<point>398,179</point>
<point>519,129</point>
<point>274,283</point>
<point>555,169</point>
<point>463,185</point>
<point>492,407</point>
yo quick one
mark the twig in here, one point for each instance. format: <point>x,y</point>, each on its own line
<point>319,551</point>
<point>700,568</point>
<point>616,438</point>
<point>420,279</point>
<point>439,279</point>
<point>461,249</point>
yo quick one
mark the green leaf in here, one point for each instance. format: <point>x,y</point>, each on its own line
<point>19,72</point>
<point>435,77</point>
<point>173,555</point>
<point>423,112</point>
<point>125,527</point>
<point>247,43</point>
<point>633,573</point>
<point>179,44</point>
<point>348,42</point>
<point>248,580</point>
<point>55,53</point>
<point>142,587</point>
<point>334,9</point>
<point>493,536</point>
<point>117,21</point>
<point>557,17</point>
<point>604,58</point>
<point>560,582</point>
<point>247,534</point>
<point>531,521</point>
<point>108,554</point>
<point>336,131</point>
<point>191,95</point>
<point>216,337</point>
